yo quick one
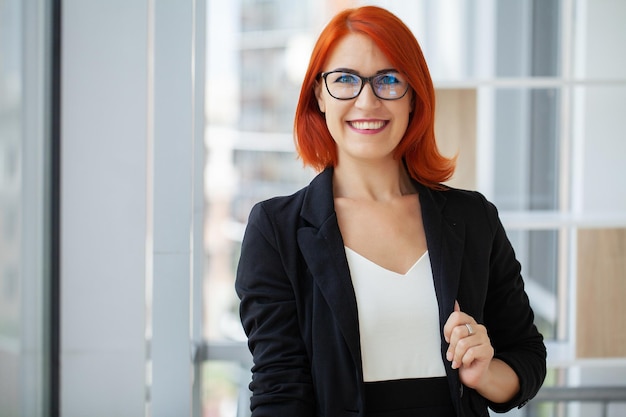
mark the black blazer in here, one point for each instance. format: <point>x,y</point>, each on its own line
<point>299,309</point>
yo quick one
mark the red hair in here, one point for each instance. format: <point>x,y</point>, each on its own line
<point>417,148</point>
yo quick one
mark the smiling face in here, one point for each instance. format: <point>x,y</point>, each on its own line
<point>364,128</point>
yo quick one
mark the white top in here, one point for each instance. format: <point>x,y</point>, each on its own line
<point>398,320</point>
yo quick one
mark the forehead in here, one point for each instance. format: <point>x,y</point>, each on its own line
<point>357,52</point>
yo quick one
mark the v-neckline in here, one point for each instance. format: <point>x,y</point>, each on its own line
<point>386,269</point>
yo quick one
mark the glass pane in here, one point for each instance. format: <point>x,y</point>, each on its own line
<point>271,15</point>
<point>23,240</point>
<point>221,388</point>
<point>481,40</point>
<point>537,251</point>
<point>10,205</point>
<point>526,149</point>
<point>268,94</point>
<point>263,175</point>
<point>598,126</point>
<point>527,38</point>
<point>580,391</point>
<point>599,34</point>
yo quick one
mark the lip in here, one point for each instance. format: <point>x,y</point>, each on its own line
<point>368,126</point>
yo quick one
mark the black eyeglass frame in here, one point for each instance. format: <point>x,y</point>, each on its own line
<point>364,80</point>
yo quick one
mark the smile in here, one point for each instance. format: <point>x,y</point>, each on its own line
<point>368,124</point>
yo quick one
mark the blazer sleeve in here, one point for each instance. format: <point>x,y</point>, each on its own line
<point>509,317</point>
<point>281,378</point>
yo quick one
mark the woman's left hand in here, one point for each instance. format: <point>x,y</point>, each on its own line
<point>469,347</point>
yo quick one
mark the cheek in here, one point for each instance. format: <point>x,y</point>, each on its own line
<point>408,114</point>
<point>403,124</point>
<point>334,111</point>
<point>333,123</point>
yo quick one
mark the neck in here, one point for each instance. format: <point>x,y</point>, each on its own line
<point>377,182</point>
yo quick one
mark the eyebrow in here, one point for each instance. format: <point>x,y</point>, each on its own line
<point>351,71</point>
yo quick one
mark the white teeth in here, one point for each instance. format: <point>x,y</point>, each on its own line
<point>368,125</point>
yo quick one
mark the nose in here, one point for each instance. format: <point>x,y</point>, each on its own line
<point>367,98</point>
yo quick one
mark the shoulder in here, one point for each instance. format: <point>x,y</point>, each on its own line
<point>456,198</point>
<point>279,207</point>
<point>460,197</point>
<point>468,205</point>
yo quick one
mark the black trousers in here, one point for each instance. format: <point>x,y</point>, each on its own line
<point>423,397</point>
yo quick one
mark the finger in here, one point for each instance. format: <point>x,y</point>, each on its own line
<point>461,340</point>
<point>448,328</point>
<point>473,353</point>
<point>467,358</point>
<point>455,335</point>
<point>452,322</point>
<point>477,354</point>
<point>465,351</point>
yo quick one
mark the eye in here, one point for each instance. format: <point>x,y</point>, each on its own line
<point>388,79</point>
<point>345,78</point>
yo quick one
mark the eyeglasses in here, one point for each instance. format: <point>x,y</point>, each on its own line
<point>344,85</point>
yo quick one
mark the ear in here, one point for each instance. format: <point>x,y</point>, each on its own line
<point>319,94</point>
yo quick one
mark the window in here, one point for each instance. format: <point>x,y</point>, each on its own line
<point>24,210</point>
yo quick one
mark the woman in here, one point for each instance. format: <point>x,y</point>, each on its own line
<point>375,290</point>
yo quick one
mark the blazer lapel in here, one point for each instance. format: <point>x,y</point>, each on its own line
<point>445,238</point>
<point>322,247</point>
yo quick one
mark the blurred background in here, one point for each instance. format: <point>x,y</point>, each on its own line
<point>135,136</point>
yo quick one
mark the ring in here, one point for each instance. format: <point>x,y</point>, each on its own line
<point>470,330</point>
